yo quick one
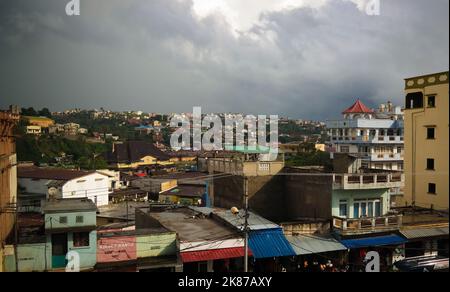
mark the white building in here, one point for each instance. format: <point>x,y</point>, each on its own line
<point>64,184</point>
<point>34,130</point>
<point>375,137</point>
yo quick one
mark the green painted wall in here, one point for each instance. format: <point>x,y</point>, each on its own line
<point>352,195</point>
<point>89,219</point>
<point>31,258</point>
<point>156,245</point>
<point>88,255</point>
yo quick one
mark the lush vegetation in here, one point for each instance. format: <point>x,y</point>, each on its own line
<point>313,158</point>
<point>297,132</point>
<point>62,152</point>
<point>45,112</point>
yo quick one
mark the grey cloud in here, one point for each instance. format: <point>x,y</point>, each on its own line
<point>157,56</point>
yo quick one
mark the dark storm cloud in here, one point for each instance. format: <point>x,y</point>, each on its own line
<point>158,56</point>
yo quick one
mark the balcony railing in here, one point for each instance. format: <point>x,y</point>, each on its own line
<point>369,139</point>
<point>367,181</point>
<point>367,225</point>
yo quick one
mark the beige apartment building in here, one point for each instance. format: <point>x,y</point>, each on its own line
<point>427,141</point>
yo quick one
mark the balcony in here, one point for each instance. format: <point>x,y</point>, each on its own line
<point>367,139</point>
<point>386,156</point>
<point>344,226</point>
<point>367,181</point>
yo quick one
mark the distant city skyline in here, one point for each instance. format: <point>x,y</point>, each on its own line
<point>299,58</point>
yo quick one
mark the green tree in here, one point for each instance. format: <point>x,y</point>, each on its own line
<point>45,112</point>
<point>29,112</point>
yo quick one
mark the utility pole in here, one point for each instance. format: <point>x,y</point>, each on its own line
<point>126,202</point>
<point>246,231</point>
<point>16,234</point>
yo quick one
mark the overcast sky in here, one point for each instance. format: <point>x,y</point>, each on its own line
<point>298,58</point>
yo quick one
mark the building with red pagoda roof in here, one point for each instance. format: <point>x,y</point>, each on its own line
<point>368,140</point>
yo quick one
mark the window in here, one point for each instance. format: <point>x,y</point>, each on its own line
<point>343,208</point>
<point>80,239</point>
<point>432,188</point>
<point>431,101</point>
<point>345,149</point>
<point>81,181</point>
<point>63,219</point>
<point>367,208</point>
<point>430,164</point>
<point>431,133</point>
<point>414,100</point>
<point>364,209</point>
<point>356,210</point>
<point>377,208</point>
<point>370,209</point>
<point>98,179</point>
<point>264,166</point>
<point>79,219</point>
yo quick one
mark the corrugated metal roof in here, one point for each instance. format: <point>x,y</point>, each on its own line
<point>425,232</point>
<point>311,244</point>
<point>270,243</point>
<point>255,221</point>
<point>373,241</point>
<point>215,254</point>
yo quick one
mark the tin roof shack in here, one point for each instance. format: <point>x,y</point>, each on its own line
<point>63,183</point>
<point>426,230</point>
<point>122,212</point>
<point>70,226</point>
<point>136,155</point>
<point>206,245</point>
<point>154,186</point>
<point>267,244</point>
<point>185,194</point>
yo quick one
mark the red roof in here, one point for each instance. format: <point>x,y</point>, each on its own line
<point>215,254</point>
<point>358,108</point>
<point>50,173</point>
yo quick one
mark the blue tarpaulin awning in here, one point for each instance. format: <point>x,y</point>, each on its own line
<point>269,243</point>
<point>373,241</point>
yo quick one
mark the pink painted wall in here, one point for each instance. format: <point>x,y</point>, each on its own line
<point>116,249</point>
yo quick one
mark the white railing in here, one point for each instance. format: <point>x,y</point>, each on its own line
<point>362,225</point>
<point>368,181</point>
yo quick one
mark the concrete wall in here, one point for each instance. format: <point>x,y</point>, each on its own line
<point>31,258</point>
<point>277,198</point>
<point>343,163</point>
<point>265,194</point>
<point>308,196</point>
<point>144,220</point>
